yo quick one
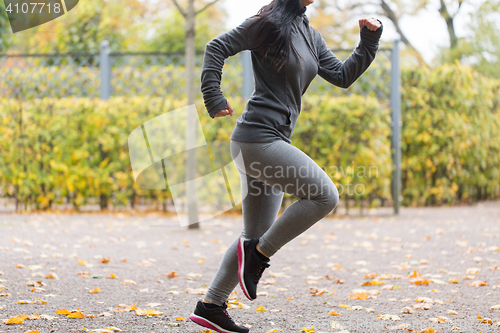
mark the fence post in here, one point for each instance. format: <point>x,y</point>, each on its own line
<point>396,126</point>
<point>105,69</point>
<point>248,83</point>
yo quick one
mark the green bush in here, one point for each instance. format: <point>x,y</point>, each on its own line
<point>349,138</point>
<point>450,136</point>
<point>71,148</point>
<point>77,148</point>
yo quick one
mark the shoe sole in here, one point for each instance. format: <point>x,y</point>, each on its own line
<point>208,324</point>
<point>241,267</point>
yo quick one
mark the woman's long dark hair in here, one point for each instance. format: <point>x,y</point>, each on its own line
<point>274,28</point>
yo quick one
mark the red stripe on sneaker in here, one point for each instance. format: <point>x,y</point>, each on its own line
<point>208,324</point>
<point>241,269</point>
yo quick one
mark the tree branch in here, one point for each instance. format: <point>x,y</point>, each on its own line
<point>179,8</point>
<point>460,2</point>
<point>444,11</point>
<point>205,7</point>
<point>391,15</point>
<point>449,24</point>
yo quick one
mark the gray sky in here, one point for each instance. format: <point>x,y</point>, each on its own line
<point>426,31</point>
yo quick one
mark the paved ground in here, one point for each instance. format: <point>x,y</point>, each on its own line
<point>407,259</point>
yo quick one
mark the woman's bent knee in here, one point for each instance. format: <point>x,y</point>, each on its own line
<point>334,198</point>
<point>329,197</point>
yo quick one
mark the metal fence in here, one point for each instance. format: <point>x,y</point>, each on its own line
<point>26,76</point>
<point>106,74</point>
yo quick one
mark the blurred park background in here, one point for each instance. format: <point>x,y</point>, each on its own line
<point>63,145</point>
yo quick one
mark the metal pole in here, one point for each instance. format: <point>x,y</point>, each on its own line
<point>396,126</point>
<point>105,69</point>
<point>248,84</point>
<point>191,129</point>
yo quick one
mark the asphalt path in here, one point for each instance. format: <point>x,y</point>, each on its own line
<point>427,268</point>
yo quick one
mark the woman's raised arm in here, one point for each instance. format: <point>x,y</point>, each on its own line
<point>344,74</point>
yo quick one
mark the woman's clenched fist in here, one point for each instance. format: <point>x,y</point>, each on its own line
<point>371,23</point>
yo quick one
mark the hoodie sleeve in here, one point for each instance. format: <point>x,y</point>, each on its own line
<point>344,74</point>
<point>216,52</point>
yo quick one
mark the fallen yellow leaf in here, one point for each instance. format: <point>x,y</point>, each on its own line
<point>372,283</point>
<point>424,281</point>
<point>414,273</point>
<point>171,275</point>
<point>36,301</point>
<point>153,312</point>
<point>17,320</point>
<point>260,308</point>
<point>63,312</point>
<point>359,296</point>
<point>95,291</point>
<point>76,315</point>
<point>140,312</point>
<point>318,292</point>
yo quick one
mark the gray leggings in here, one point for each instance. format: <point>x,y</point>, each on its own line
<point>268,170</point>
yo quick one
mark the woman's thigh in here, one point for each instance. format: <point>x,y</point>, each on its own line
<point>260,206</point>
<point>283,167</point>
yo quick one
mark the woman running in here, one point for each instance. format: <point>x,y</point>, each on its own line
<point>271,165</point>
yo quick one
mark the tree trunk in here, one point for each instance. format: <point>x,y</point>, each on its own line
<point>191,195</point>
<point>449,23</point>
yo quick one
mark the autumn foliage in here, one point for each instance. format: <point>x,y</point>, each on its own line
<point>74,150</point>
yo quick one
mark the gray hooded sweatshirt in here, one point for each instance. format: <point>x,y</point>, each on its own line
<point>274,106</point>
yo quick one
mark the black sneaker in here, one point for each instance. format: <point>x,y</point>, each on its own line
<point>250,266</point>
<point>216,319</point>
